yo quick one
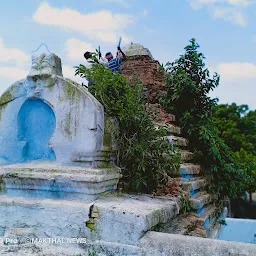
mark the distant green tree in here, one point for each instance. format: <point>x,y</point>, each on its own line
<point>237,127</point>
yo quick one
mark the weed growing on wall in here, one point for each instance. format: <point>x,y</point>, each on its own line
<point>147,160</point>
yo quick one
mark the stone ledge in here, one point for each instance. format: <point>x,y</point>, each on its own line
<point>163,244</point>
<point>170,128</point>
<point>190,169</point>
<point>129,218</point>
<point>200,201</point>
<point>119,219</point>
<point>194,185</point>
<point>177,141</point>
<point>59,178</point>
<point>186,156</point>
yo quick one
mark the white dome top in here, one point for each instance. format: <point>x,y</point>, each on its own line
<point>137,50</point>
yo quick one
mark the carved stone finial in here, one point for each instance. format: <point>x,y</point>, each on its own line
<point>45,64</point>
<point>137,50</point>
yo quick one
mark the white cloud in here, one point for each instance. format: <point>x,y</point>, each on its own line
<point>103,25</point>
<point>13,68</point>
<point>69,72</point>
<point>235,71</point>
<point>120,2</point>
<point>230,14</point>
<point>76,48</point>
<point>7,54</point>
<point>13,73</point>
<point>196,4</point>
<point>240,92</point>
<point>236,83</point>
<point>228,10</point>
<point>242,3</point>
<point>238,3</point>
<point>144,13</point>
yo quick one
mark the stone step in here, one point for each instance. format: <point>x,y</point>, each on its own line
<point>187,170</point>
<point>191,224</point>
<point>61,179</point>
<point>169,128</point>
<point>41,249</point>
<point>179,225</point>
<point>200,201</point>
<point>201,231</point>
<point>207,216</point>
<point>126,218</point>
<point>194,186</point>
<point>47,217</point>
<point>162,244</point>
<point>205,211</point>
<point>211,227</point>
<point>198,232</point>
<point>186,156</point>
<point>78,177</point>
<point>51,167</point>
<point>214,231</point>
<point>189,178</point>
<point>177,141</point>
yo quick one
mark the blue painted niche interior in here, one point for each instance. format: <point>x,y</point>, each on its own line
<point>36,125</point>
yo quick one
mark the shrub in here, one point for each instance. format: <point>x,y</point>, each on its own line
<point>189,84</point>
<point>147,160</point>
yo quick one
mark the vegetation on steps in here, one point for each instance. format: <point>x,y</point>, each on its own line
<point>147,160</point>
<point>189,84</point>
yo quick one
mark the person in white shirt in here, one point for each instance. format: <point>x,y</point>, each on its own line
<point>91,60</point>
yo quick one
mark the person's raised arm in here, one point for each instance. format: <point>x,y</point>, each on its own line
<point>102,60</point>
<point>123,54</point>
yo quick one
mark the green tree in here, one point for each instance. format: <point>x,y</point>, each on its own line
<point>237,127</point>
<point>189,84</point>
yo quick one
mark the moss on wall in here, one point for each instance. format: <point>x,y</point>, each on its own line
<point>71,95</point>
<point>6,97</point>
<point>50,82</point>
<point>71,92</point>
<point>66,126</point>
<point>90,224</point>
<point>107,133</point>
<point>1,109</point>
<point>110,132</point>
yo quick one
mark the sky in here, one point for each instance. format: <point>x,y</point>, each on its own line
<point>224,29</point>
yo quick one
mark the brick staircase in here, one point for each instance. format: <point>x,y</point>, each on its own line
<point>200,221</point>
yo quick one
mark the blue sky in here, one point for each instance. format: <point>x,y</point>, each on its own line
<point>225,30</point>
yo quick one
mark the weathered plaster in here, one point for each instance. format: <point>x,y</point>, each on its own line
<point>79,116</point>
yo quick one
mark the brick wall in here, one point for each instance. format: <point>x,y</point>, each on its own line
<point>147,71</point>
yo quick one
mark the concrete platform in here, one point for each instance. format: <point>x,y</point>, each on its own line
<point>111,219</point>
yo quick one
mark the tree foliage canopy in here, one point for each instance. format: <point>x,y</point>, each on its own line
<point>189,83</point>
<point>237,127</point>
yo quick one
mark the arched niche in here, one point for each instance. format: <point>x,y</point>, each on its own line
<point>36,125</point>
